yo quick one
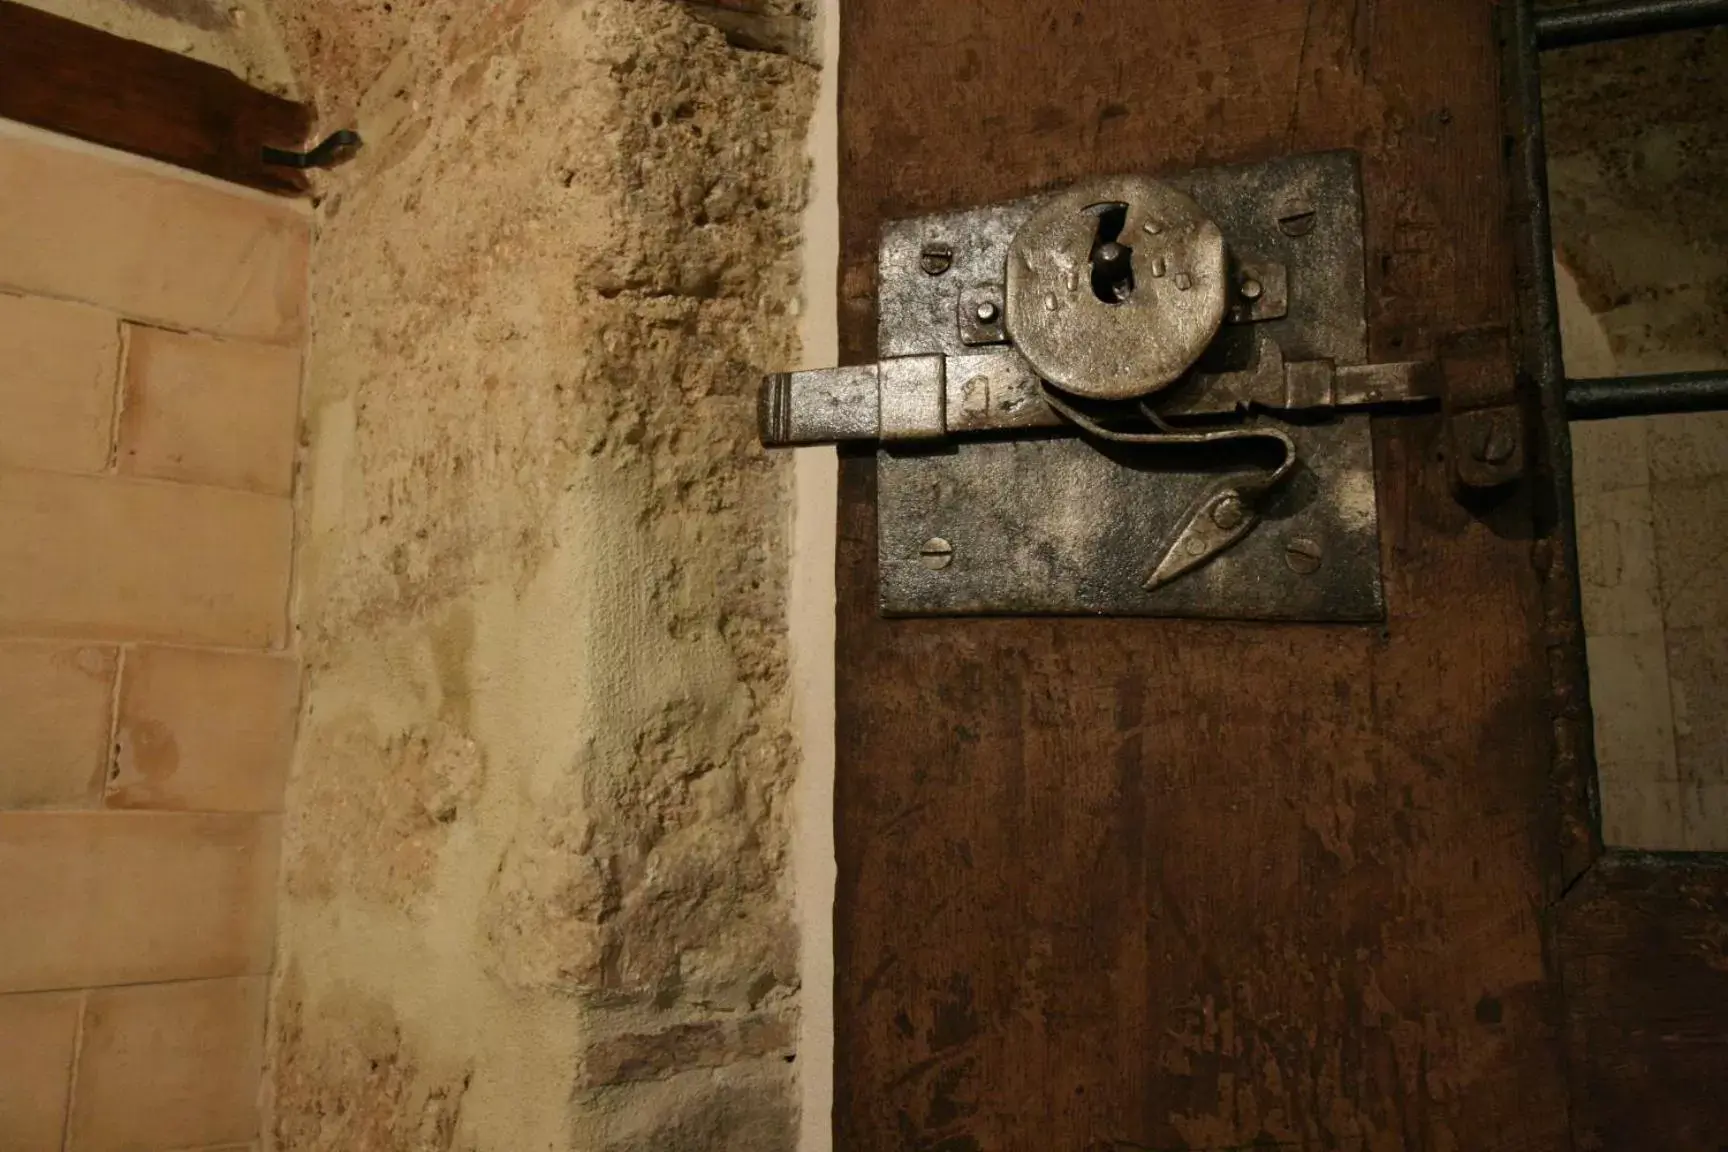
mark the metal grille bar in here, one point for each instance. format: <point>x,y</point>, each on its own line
<point>1619,19</point>
<point>1611,397</point>
<point>1527,32</point>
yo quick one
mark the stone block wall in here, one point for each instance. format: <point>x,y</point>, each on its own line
<point>150,332</point>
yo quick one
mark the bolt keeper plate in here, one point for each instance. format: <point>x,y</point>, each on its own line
<point>1065,525</point>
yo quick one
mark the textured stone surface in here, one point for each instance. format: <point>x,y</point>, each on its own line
<point>1636,135</point>
<point>743,1108</point>
<point>344,1081</point>
<point>536,829</point>
<point>639,1056</point>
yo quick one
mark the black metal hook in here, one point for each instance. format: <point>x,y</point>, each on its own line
<point>334,149</point>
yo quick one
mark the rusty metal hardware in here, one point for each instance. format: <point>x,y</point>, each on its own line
<point>337,148</point>
<point>1132,396</point>
<point>933,397</point>
<point>1479,396</point>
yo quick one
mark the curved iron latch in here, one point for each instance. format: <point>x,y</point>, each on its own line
<point>1223,515</point>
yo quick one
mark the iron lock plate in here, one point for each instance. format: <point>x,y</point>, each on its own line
<point>1048,524</point>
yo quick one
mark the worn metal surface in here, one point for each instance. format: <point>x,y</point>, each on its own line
<point>1487,446</point>
<point>1327,309</point>
<point>1071,526</point>
<point>919,310</point>
<point>1251,203</point>
<point>996,390</point>
<point>1259,290</point>
<point>980,315</point>
<point>822,406</point>
<point>1111,318</point>
<point>1215,524</point>
<point>911,398</point>
<point>1075,526</point>
<point>1614,396</point>
<point>943,292</point>
<point>1594,23</point>
<point>1271,383</point>
<point>1223,515</point>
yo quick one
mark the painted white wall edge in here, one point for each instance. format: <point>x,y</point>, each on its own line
<point>815,507</point>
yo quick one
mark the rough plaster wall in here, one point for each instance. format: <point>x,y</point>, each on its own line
<point>1638,159</point>
<point>238,35</point>
<point>536,890</point>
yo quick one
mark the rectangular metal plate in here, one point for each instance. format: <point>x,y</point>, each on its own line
<point>1063,525</point>
<point>1327,309</point>
<point>1058,526</point>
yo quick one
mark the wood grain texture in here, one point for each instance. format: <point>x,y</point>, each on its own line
<point>79,81</point>
<point>1645,947</point>
<point>1127,884</point>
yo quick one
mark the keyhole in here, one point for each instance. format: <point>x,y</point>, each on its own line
<point>1112,260</point>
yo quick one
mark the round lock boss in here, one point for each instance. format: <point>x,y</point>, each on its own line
<point>1115,287</point>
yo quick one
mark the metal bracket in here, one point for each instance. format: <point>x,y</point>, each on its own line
<point>336,148</point>
<point>1132,397</point>
<point>1484,423</point>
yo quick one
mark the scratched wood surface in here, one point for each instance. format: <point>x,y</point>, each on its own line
<point>1644,941</point>
<point>1111,885</point>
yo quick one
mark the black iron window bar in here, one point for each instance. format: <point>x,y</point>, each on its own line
<point>1533,31</point>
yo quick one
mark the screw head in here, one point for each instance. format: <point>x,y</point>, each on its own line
<point>936,554</point>
<point>1303,556</point>
<point>988,312</point>
<point>1251,289</point>
<point>1228,513</point>
<point>1492,443</point>
<point>936,258</point>
<point>1296,218</point>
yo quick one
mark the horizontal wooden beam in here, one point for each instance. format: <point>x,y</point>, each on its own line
<point>79,81</point>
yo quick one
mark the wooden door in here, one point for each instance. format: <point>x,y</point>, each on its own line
<point>1156,884</point>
